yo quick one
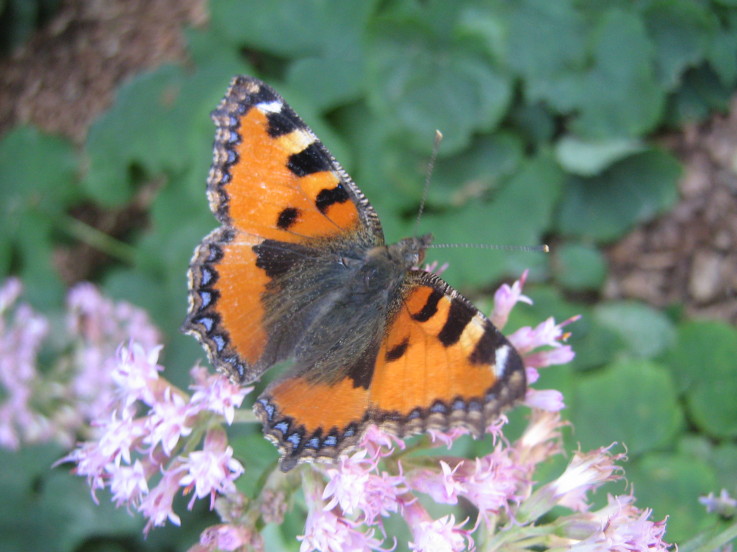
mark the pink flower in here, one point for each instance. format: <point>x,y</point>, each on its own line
<point>157,505</point>
<point>211,470</point>
<point>22,332</point>
<point>215,392</point>
<point>541,439</point>
<point>168,421</point>
<point>119,435</point>
<point>228,537</point>
<point>436,268</point>
<point>128,484</point>
<point>493,482</point>
<point>435,535</point>
<point>448,437</point>
<point>506,298</point>
<point>724,504</point>
<point>137,442</point>
<point>357,487</point>
<point>137,372</point>
<point>586,472</point>
<point>327,531</point>
<point>440,485</point>
<point>379,443</point>
<point>617,526</point>
<point>545,399</point>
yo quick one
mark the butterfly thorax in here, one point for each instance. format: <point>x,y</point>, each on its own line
<point>341,301</point>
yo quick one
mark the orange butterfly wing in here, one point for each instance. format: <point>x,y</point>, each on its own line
<point>271,181</point>
<point>441,364</point>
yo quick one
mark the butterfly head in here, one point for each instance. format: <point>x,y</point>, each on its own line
<point>410,252</point>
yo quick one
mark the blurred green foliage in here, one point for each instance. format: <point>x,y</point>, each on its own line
<point>548,111</point>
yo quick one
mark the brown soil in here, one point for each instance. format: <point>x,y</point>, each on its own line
<point>688,257</point>
<point>68,73</point>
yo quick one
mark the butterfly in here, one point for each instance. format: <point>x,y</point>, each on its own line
<point>299,273</point>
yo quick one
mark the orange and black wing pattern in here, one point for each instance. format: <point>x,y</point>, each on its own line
<point>275,188</point>
<point>291,275</point>
<point>441,364</point>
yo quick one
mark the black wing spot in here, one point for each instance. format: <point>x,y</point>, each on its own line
<point>485,350</point>
<point>282,122</point>
<point>331,196</point>
<point>310,160</point>
<point>459,316</point>
<point>397,352</point>
<point>287,218</point>
<point>430,308</point>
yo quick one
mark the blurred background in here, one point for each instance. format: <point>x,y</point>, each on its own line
<point>607,130</point>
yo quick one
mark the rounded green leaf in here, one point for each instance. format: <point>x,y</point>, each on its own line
<point>646,331</point>
<point>704,363</point>
<point>631,402</point>
<point>712,403</point>
<point>633,190</point>
<point>671,484</point>
<point>579,267</point>
<point>422,78</point>
<point>615,94</point>
<point>544,39</point>
<point>590,157</point>
<point>702,350</point>
<point>724,460</point>
<point>531,192</point>
<point>681,31</point>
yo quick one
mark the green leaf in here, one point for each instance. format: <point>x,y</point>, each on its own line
<point>722,50</point>
<point>258,456</point>
<point>671,484</point>
<point>591,157</point>
<point>326,63</point>
<point>681,31</point>
<point>701,93</point>
<point>632,402</point>
<point>711,403</point>
<point>37,184</point>
<point>701,351</point>
<point>544,40</point>
<point>157,126</point>
<point>724,460</point>
<point>646,331</point>
<point>42,506</point>
<point>476,171</point>
<point>579,267</point>
<point>618,95</point>
<point>535,122</point>
<point>703,364</point>
<point>532,191</point>
<point>633,190</point>
<point>423,77</point>
<point>138,132</point>
<point>37,176</point>
<point>595,344</point>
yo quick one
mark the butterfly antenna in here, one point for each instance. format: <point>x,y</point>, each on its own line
<point>527,248</point>
<point>428,176</point>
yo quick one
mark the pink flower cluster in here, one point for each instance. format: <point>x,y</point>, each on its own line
<point>77,387</point>
<point>146,448</point>
<point>346,512</point>
<point>151,441</point>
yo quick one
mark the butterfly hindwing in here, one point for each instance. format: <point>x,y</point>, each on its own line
<point>440,364</point>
